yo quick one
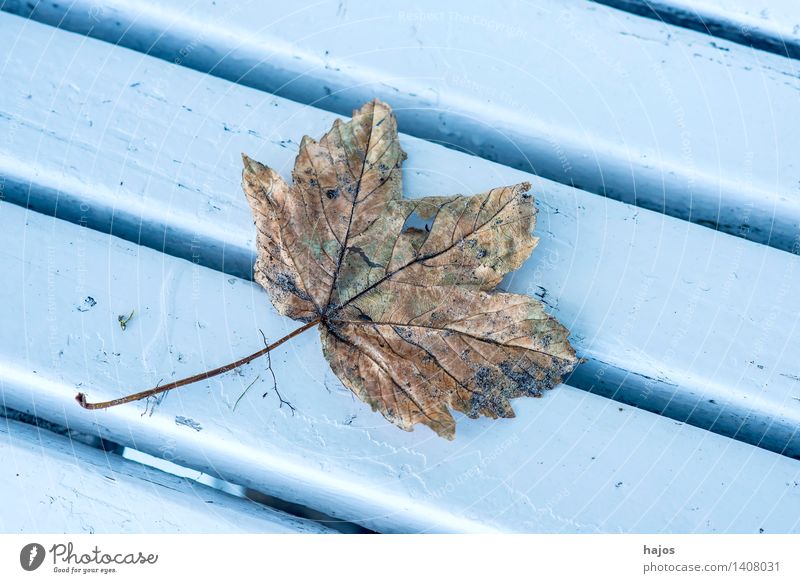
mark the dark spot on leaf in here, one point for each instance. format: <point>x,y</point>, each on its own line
<point>524,381</point>
<point>360,252</point>
<point>287,283</point>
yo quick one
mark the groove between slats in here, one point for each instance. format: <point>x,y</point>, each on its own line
<point>723,22</point>
<point>59,485</point>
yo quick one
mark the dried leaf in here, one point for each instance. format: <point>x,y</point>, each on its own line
<point>402,288</point>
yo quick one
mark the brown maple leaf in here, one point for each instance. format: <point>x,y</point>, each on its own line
<point>400,289</point>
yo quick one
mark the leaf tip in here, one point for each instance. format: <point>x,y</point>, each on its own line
<point>372,106</point>
<point>449,432</point>
<point>249,163</point>
<point>444,428</point>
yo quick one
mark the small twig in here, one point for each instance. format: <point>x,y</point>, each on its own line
<point>155,402</point>
<point>245,391</point>
<point>81,397</point>
<point>269,363</point>
<point>281,400</point>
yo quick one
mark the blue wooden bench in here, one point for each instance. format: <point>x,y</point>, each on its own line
<point>120,174</point>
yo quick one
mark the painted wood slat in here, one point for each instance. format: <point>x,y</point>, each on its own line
<point>770,25</point>
<point>673,120</point>
<point>672,317</point>
<point>52,484</point>
<point>570,462</point>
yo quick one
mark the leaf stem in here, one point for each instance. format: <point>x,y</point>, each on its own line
<point>81,397</point>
